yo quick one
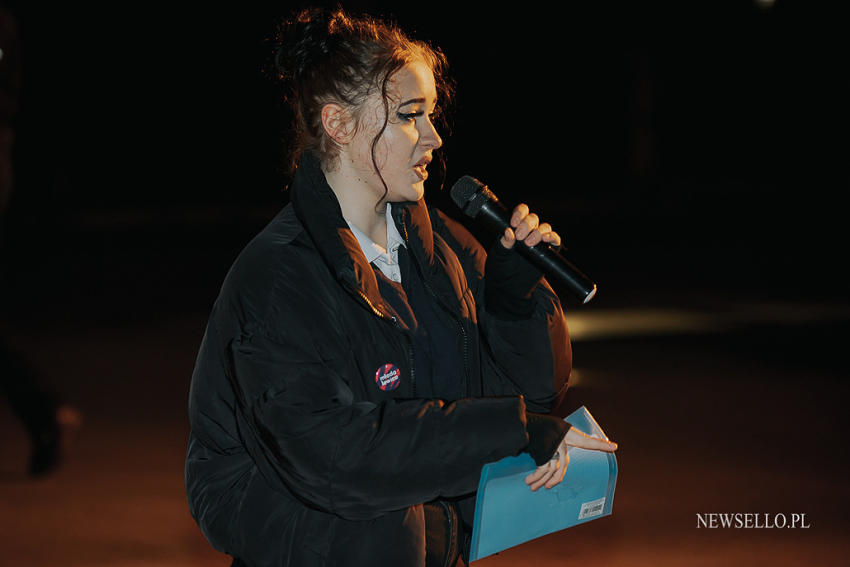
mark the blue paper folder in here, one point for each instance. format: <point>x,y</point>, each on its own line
<point>508,513</point>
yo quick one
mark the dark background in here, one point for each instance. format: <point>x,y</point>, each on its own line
<point>699,143</point>
<point>693,156</point>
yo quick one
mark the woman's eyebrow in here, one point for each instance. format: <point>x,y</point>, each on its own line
<point>420,100</point>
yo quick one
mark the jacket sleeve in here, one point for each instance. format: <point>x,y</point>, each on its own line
<point>361,459</point>
<point>527,354</point>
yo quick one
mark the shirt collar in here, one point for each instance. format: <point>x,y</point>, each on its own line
<point>373,250</point>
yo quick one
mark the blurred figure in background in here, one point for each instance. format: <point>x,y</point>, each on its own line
<point>41,413</point>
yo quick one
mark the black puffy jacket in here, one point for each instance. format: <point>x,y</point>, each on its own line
<point>297,456</point>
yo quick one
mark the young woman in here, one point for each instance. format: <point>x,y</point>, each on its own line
<point>366,357</point>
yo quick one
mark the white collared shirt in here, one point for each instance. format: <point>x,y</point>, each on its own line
<point>385,260</point>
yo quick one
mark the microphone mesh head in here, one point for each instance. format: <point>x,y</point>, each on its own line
<point>465,189</point>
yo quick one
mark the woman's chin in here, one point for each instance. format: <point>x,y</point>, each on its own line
<point>413,192</point>
<point>418,190</point>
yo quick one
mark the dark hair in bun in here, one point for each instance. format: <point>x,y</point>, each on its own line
<point>323,56</point>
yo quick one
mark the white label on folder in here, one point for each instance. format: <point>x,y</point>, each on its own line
<point>592,508</point>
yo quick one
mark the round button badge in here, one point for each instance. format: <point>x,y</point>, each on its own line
<point>388,377</point>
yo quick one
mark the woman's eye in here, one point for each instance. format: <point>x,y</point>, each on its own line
<point>411,116</point>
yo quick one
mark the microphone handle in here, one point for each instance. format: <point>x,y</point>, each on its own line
<point>496,217</point>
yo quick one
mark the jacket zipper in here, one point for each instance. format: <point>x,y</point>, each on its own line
<point>384,316</point>
<point>448,310</point>
<point>460,326</point>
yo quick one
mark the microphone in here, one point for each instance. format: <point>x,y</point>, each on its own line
<point>478,202</point>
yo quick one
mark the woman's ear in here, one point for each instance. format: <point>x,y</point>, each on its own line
<point>337,123</point>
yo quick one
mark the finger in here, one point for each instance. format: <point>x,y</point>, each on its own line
<point>528,224</point>
<point>508,239</point>
<point>552,238</point>
<point>519,213</point>
<point>539,476</point>
<point>598,444</point>
<point>535,476</point>
<point>551,468</point>
<point>536,235</point>
<point>563,461</point>
<point>558,470</point>
<point>576,438</point>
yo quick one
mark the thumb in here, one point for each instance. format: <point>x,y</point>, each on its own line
<point>508,239</point>
<point>576,438</point>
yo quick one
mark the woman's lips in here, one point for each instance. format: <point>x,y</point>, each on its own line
<point>421,171</point>
<point>421,167</point>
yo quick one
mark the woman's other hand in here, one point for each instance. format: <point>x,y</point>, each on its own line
<point>552,473</point>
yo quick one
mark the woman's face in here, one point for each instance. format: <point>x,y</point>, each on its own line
<point>404,150</point>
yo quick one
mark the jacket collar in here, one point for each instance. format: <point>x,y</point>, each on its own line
<point>319,212</point>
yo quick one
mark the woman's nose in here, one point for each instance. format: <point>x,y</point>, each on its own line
<point>429,136</point>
